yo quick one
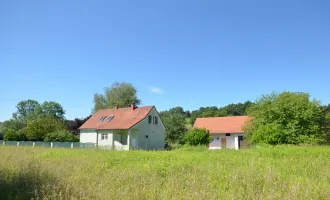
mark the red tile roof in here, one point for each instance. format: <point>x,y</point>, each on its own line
<point>123,118</point>
<point>222,124</point>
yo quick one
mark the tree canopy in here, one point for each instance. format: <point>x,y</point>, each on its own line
<point>238,109</point>
<point>25,110</point>
<point>12,135</point>
<point>286,118</point>
<point>73,125</point>
<point>121,94</point>
<point>175,125</point>
<point>61,136</point>
<point>39,128</point>
<point>30,110</point>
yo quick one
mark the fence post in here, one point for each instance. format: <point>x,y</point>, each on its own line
<point>3,143</point>
<point>17,143</point>
<point>72,145</point>
<point>51,145</point>
<point>33,144</point>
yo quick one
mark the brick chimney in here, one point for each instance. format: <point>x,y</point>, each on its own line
<point>132,107</point>
<point>116,106</point>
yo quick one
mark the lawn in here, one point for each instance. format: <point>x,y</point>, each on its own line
<point>263,173</point>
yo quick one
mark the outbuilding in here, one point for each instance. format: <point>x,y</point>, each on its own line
<point>226,132</point>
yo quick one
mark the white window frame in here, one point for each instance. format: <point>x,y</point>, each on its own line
<point>104,136</point>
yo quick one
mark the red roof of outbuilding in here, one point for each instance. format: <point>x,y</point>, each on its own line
<point>124,118</point>
<point>222,124</point>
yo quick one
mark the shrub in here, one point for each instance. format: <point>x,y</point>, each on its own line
<point>12,135</point>
<point>61,136</point>
<point>197,136</point>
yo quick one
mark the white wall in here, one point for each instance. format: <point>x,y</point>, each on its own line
<point>231,141</point>
<point>107,142</point>
<point>88,136</point>
<point>155,132</point>
<point>216,142</point>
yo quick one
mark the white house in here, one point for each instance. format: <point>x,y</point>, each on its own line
<point>125,128</point>
<point>226,132</point>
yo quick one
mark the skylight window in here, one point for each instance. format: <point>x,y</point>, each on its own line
<point>110,118</point>
<point>102,118</point>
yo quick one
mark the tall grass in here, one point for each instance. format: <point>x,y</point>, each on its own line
<point>263,173</point>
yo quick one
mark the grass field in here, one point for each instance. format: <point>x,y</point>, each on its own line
<point>263,173</point>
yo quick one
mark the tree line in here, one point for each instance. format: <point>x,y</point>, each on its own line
<point>276,118</point>
<point>33,121</point>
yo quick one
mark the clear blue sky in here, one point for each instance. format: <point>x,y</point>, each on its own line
<point>176,52</point>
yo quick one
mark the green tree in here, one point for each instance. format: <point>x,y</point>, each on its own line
<point>210,112</point>
<point>12,135</point>
<point>326,126</point>
<point>30,110</point>
<point>197,136</point>
<point>194,115</point>
<point>51,108</point>
<point>61,136</point>
<point>12,124</point>
<point>286,118</point>
<point>36,130</point>
<point>121,94</point>
<point>175,128</point>
<point>222,112</point>
<point>1,131</point>
<point>25,110</point>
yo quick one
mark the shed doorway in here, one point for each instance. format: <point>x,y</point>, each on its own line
<point>223,142</point>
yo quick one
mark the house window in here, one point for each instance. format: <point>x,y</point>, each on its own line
<point>227,134</point>
<point>155,120</point>
<point>149,119</point>
<point>102,118</point>
<point>146,136</point>
<point>217,138</point>
<point>104,136</point>
<point>110,118</point>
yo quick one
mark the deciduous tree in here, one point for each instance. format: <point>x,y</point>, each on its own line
<point>175,128</point>
<point>36,130</point>
<point>73,125</point>
<point>286,118</point>
<point>25,110</point>
<point>121,94</point>
<point>61,136</point>
<point>12,135</point>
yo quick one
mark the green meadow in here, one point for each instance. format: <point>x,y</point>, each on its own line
<point>282,172</point>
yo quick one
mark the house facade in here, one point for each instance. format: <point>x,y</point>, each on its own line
<point>125,128</point>
<point>226,132</point>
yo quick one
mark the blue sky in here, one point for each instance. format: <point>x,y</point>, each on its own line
<point>177,53</point>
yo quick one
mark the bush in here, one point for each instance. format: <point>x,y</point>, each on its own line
<point>197,136</point>
<point>12,135</point>
<point>61,136</point>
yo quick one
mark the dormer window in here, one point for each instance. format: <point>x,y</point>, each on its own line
<point>110,118</point>
<point>102,118</point>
